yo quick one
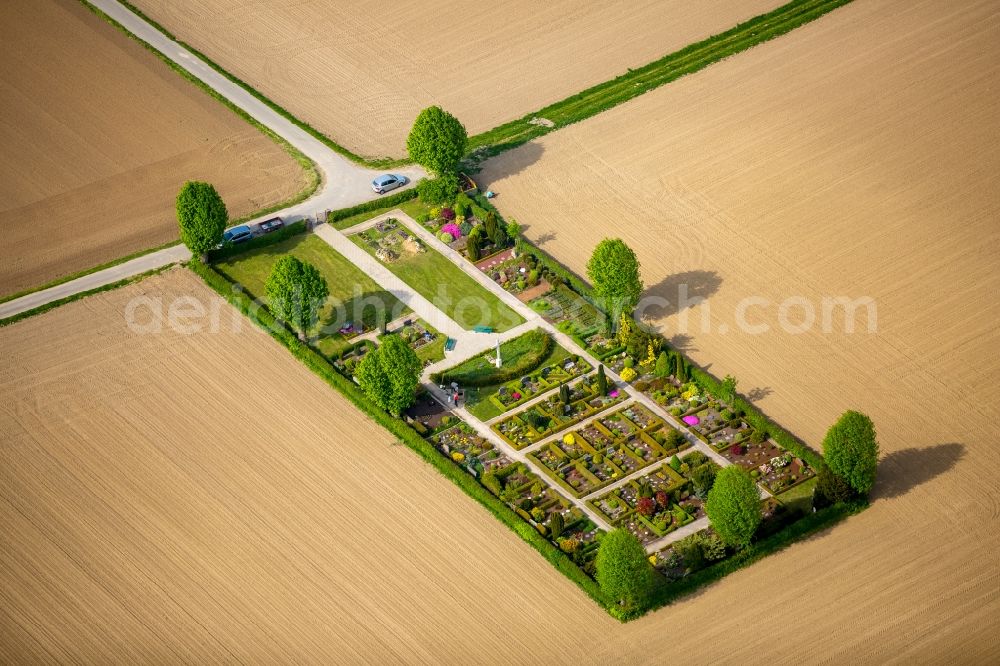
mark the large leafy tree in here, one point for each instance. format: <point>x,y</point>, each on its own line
<point>733,506</point>
<point>390,374</point>
<point>613,269</point>
<point>296,292</point>
<point>623,570</point>
<point>437,141</point>
<point>851,450</point>
<point>202,217</point>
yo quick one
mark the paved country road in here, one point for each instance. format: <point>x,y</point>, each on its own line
<point>344,183</point>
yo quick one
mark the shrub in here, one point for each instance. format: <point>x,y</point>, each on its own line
<point>452,230</point>
<point>646,506</point>
<point>702,479</point>
<point>556,524</point>
<point>628,374</point>
<point>831,488</point>
<point>423,218</point>
<point>674,440</point>
<point>851,450</point>
<point>737,449</point>
<point>437,191</point>
<point>623,571</point>
<point>757,436</point>
<point>492,483</point>
<point>447,214</point>
<point>629,362</point>
<point>375,204</point>
<point>602,381</point>
<point>675,463</point>
<point>662,499</point>
<point>662,365</point>
<point>445,237</point>
<point>465,228</point>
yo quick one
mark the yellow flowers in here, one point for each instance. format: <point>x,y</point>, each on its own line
<point>624,328</point>
<point>652,560</point>
<point>629,374</point>
<point>569,439</point>
<point>458,456</point>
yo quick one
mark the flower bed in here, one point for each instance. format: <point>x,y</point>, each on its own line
<point>551,415</point>
<point>769,464</point>
<point>517,392</point>
<point>536,502</point>
<point>570,312</point>
<point>655,504</point>
<point>475,453</point>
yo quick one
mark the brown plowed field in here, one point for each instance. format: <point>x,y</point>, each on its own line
<point>360,72</point>
<point>857,156</point>
<point>98,135</point>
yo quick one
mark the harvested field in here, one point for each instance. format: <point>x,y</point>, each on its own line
<point>99,135</point>
<point>857,156</point>
<point>200,498</point>
<point>361,76</point>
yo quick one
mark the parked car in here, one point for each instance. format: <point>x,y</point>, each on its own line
<point>238,234</point>
<point>267,226</point>
<point>387,182</point>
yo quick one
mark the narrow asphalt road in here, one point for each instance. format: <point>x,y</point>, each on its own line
<point>344,183</point>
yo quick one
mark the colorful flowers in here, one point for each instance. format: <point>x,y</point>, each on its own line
<point>569,439</point>
<point>629,374</point>
<point>452,230</point>
<point>691,420</point>
<point>458,456</point>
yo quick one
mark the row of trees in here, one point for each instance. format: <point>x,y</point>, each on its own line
<point>850,449</point>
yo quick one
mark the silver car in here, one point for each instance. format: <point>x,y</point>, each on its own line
<point>387,182</point>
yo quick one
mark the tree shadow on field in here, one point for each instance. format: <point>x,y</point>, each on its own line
<point>759,393</point>
<point>510,163</point>
<point>901,471</point>
<point>665,298</point>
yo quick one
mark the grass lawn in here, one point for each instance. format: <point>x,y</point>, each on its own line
<point>445,285</point>
<point>477,398</point>
<point>799,498</point>
<point>413,208</point>
<point>353,294</point>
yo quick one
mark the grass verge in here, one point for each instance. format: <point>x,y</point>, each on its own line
<point>81,294</point>
<point>635,82</point>
<point>88,271</point>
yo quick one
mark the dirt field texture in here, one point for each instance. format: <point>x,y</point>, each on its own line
<point>361,74</point>
<point>857,156</point>
<point>99,135</point>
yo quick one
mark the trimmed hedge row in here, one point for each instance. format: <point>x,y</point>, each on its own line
<point>666,592</point>
<point>524,365</point>
<point>374,204</point>
<point>399,428</point>
<point>273,238</point>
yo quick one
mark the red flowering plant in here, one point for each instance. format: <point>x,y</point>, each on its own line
<point>646,506</point>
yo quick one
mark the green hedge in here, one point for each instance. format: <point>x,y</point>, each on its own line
<point>400,429</point>
<point>549,262</point>
<point>272,238</point>
<point>374,204</point>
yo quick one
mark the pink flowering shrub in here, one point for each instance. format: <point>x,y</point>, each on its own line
<point>452,230</point>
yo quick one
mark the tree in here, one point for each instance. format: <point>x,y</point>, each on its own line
<point>437,191</point>
<point>437,141</point>
<point>296,291</point>
<point>602,380</point>
<point>680,372</point>
<point>390,374</point>
<point>495,231</point>
<point>613,269</point>
<point>851,450</point>
<point>728,389</point>
<point>564,394</point>
<point>556,525</point>
<point>202,217</point>
<point>733,506</point>
<point>662,365</point>
<point>702,478</point>
<point>473,244</point>
<point>623,571</point>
